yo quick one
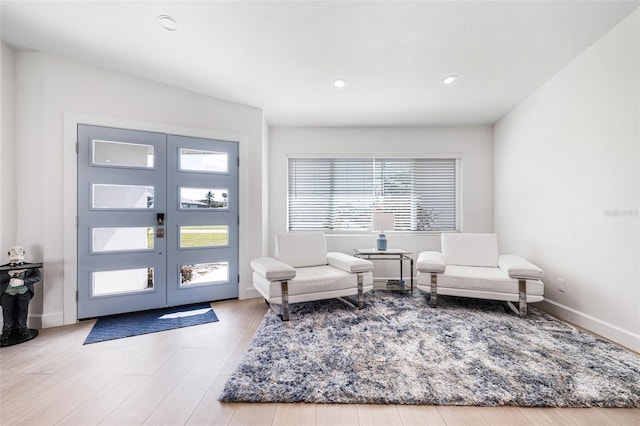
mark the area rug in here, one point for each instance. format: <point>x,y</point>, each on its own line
<point>398,350</point>
<point>137,323</point>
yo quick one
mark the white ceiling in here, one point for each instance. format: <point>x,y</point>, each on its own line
<point>283,56</point>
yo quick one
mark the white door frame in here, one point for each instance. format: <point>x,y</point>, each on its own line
<point>70,258</point>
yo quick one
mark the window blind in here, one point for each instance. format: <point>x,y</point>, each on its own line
<point>342,193</point>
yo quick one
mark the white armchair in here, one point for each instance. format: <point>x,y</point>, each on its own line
<point>303,271</point>
<point>470,266</point>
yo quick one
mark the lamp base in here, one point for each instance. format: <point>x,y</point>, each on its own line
<point>381,242</point>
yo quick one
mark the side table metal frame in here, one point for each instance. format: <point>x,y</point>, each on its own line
<point>390,254</point>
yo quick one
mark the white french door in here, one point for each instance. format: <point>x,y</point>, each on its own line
<point>157,220</point>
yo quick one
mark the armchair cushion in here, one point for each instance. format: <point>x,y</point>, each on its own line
<point>470,249</point>
<point>301,250</point>
<point>474,278</point>
<point>517,267</point>
<point>348,263</point>
<point>431,261</point>
<point>314,283</point>
<point>273,269</point>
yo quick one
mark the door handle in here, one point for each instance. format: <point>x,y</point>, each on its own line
<point>160,225</point>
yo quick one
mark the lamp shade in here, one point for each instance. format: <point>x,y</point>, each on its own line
<point>383,221</point>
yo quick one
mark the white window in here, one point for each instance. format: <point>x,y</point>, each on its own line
<point>342,193</point>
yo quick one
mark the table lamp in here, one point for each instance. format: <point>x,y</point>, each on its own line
<point>382,221</point>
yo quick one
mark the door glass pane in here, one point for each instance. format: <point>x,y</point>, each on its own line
<point>204,236</point>
<point>122,281</point>
<point>105,196</point>
<point>202,273</point>
<point>121,154</point>
<point>203,198</point>
<point>198,160</point>
<point>122,239</point>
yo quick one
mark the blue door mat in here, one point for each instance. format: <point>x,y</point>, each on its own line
<point>144,322</point>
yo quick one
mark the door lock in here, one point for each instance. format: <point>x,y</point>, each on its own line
<point>160,233</point>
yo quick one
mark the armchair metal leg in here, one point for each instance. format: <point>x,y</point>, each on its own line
<point>284,314</point>
<point>522,298</point>
<point>360,291</point>
<point>433,300</point>
<point>285,300</point>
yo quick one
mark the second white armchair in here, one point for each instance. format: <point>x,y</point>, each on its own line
<point>469,265</point>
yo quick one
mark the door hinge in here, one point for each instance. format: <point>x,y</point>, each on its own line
<point>238,278</point>
<point>238,161</point>
<point>77,147</point>
<point>76,295</point>
<point>77,221</point>
<point>238,220</point>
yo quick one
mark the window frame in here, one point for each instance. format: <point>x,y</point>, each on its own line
<point>457,157</point>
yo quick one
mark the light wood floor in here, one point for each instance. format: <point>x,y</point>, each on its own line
<point>175,377</point>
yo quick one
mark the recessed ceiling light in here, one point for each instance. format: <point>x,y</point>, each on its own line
<point>339,83</point>
<point>449,79</point>
<point>167,22</point>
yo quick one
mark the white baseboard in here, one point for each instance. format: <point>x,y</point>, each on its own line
<point>609,331</point>
<point>249,293</point>
<point>40,321</point>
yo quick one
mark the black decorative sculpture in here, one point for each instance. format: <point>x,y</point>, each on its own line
<point>16,290</point>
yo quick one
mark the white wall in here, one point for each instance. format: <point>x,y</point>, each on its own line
<point>53,94</point>
<point>475,144</point>
<point>566,185</point>
<point>265,188</point>
<point>7,150</point>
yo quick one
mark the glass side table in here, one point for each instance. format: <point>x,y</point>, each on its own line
<point>389,254</point>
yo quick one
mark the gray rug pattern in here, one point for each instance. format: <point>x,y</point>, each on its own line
<point>398,350</point>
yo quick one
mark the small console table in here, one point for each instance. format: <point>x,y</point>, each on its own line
<point>390,254</point>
